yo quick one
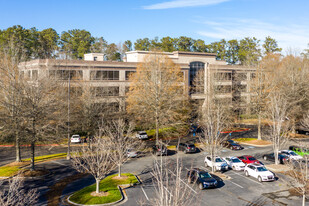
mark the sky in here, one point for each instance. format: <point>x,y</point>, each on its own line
<point>116,21</point>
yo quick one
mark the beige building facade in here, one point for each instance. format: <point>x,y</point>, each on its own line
<point>109,80</point>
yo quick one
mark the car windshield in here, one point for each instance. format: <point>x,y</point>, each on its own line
<point>236,160</point>
<point>191,145</point>
<point>205,175</point>
<point>251,158</point>
<point>261,169</point>
<point>142,133</point>
<point>231,141</point>
<point>293,154</point>
<point>219,160</point>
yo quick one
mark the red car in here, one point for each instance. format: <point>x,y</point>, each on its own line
<point>247,159</point>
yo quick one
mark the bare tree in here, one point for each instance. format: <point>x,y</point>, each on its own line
<point>300,177</point>
<point>119,136</point>
<point>158,96</point>
<point>278,111</point>
<point>10,99</point>
<point>259,87</point>
<point>16,195</point>
<point>170,188</point>
<point>41,111</point>
<point>95,160</point>
<point>215,112</point>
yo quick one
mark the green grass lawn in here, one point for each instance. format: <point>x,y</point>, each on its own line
<point>8,171</point>
<point>47,157</point>
<point>244,139</point>
<point>107,185</point>
<point>13,168</point>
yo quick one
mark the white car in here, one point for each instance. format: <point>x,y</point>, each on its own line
<point>141,135</point>
<point>292,155</point>
<point>235,163</point>
<point>131,153</point>
<point>260,172</point>
<point>76,139</point>
<point>218,163</point>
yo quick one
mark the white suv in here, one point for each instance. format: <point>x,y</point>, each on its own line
<point>260,172</point>
<point>218,163</point>
<point>235,163</point>
<point>76,138</point>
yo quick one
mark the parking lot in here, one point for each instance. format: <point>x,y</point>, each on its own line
<point>236,190</point>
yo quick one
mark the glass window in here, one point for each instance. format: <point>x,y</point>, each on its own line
<point>128,74</point>
<point>104,75</point>
<point>194,68</point>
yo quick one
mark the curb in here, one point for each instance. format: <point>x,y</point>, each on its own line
<point>254,144</point>
<point>121,188</point>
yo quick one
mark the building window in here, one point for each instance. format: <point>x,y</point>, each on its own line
<point>66,74</point>
<point>104,75</point>
<point>240,88</point>
<point>105,91</point>
<point>129,73</point>
<point>223,76</point>
<point>223,89</point>
<point>194,68</point>
<point>241,76</point>
<point>127,89</point>
<point>107,108</point>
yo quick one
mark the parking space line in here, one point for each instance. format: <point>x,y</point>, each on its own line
<point>247,178</point>
<point>144,193</point>
<point>236,184</point>
<point>185,183</point>
<point>59,163</point>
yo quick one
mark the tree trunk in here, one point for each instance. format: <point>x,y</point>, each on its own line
<point>157,129</point>
<point>119,170</point>
<point>17,147</point>
<point>259,127</point>
<point>276,156</point>
<point>304,199</point>
<point>68,151</point>
<point>97,190</point>
<point>32,156</point>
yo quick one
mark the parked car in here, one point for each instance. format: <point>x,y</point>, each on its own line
<point>247,159</point>
<point>271,157</point>
<point>260,172</point>
<point>159,150</point>
<point>131,153</point>
<point>292,155</point>
<point>141,135</point>
<point>202,178</point>
<point>186,147</point>
<point>300,151</point>
<point>231,145</point>
<point>76,139</point>
<point>218,163</point>
<point>234,163</point>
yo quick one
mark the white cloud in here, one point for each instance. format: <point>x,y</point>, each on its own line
<point>183,3</point>
<point>287,35</point>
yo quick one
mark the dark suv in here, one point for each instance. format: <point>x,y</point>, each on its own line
<point>159,150</point>
<point>232,145</point>
<point>186,147</point>
<point>202,178</point>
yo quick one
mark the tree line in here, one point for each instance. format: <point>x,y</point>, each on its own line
<point>73,44</point>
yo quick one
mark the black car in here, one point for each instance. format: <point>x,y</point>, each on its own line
<point>159,150</point>
<point>231,144</point>
<point>271,157</point>
<point>202,178</point>
<point>186,147</point>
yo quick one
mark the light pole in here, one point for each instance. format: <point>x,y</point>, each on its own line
<point>69,140</point>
